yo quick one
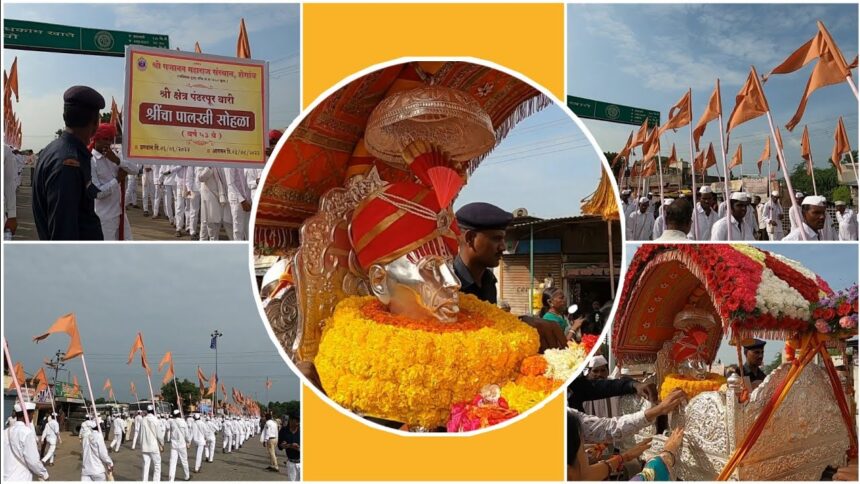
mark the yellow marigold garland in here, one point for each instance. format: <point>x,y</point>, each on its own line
<point>412,374</point>
<point>691,385</point>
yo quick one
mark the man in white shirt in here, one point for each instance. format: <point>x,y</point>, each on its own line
<point>847,221</point>
<point>95,461</point>
<point>601,429</point>
<point>51,435</point>
<point>117,426</point>
<point>198,437</point>
<point>239,196</point>
<point>660,221</point>
<point>109,172</point>
<point>180,441</point>
<point>192,203</point>
<point>213,201</point>
<point>137,421</point>
<point>812,213</point>
<point>678,216</point>
<point>793,218</point>
<point>738,205</point>
<point>148,188</point>
<point>627,206</point>
<point>773,214</point>
<point>10,187</point>
<point>20,452</point>
<point>169,181</point>
<point>641,222</point>
<point>705,216</point>
<point>269,439</point>
<point>226,436</point>
<point>151,445</point>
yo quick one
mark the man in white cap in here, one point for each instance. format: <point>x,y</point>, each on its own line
<point>117,425</point>
<point>660,221</point>
<point>793,218</point>
<point>137,421</point>
<point>209,428</point>
<point>641,222</point>
<point>704,214</point>
<point>773,214</point>
<point>738,205</point>
<point>51,435</point>
<point>813,215</point>
<point>95,461</point>
<point>20,452</point>
<point>847,221</point>
<point>180,441</point>
<point>226,436</point>
<point>151,445</point>
<point>598,368</point>
<point>627,207</point>
<point>199,439</point>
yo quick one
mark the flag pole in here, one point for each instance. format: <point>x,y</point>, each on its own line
<point>693,172</point>
<point>178,399</point>
<point>724,153</point>
<point>852,85</point>
<point>853,165</point>
<point>812,173</point>
<point>17,384</point>
<point>90,389</point>
<point>780,158</point>
<point>51,394</point>
<point>151,393</point>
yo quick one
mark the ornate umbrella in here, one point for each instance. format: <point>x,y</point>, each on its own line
<point>328,146</point>
<point>751,292</point>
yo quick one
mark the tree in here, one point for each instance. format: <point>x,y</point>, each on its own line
<point>774,364</point>
<point>280,409</point>
<point>187,391</point>
<point>100,400</point>
<point>826,180</point>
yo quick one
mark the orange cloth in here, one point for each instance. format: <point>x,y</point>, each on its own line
<point>840,145</point>
<point>624,151</point>
<point>680,114</point>
<point>765,154</point>
<point>243,45</point>
<point>750,102</point>
<point>712,111</point>
<point>106,385</point>
<point>737,159</point>
<point>138,345</point>
<point>42,379</point>
<point>66,324</point>
<point>641,135</point>
<point>12,81</point>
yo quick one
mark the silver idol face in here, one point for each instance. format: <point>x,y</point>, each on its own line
<point>422,290</point>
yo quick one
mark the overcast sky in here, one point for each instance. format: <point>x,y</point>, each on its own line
<point>649,55</point>
<point>175,294</point>
<point>273,31</point>
<point>835,263</point>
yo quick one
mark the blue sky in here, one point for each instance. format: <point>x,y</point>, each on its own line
<point>546,164</point>
<point>835,263</point>
<point>175,294</point>
<point>273,30</point>
<point>649,55</point>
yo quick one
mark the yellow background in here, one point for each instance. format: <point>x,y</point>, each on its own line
<point>340,40</point>
<point>247,95</point>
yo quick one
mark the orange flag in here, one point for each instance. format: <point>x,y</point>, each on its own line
<point>12,83</point>
<point>804,150</point>
<point>168,358</point>
<point>737,160</point>
<point>243,46</point>
<point>652,146</point>
<point>711,158</point>
<point>197,48</point>
<point>641,135</point>
<point>106,385</point>
<point>110,394</point>
<point>673,161</point>
<point>115,118</point>
<point>840,145</point>
<point>75,385</point>
<point>830,69</point>
<point>680,114</point>
<point>212,386</point>
<point>168,375</point>
<point>133,388</point>
<point>223,390</point>
<point>19,374</point>
<point>66,324</point>
<point>624,151</point>
<point>42,379</point>
<point>201,376</point>
<point>712,112</point>
<point>750,102</point>
<point>138,345</point>
<point>765,154</point>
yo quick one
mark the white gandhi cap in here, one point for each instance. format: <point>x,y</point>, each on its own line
<point>815,200</point>
<point>705,190</point>
<point>740,197</point>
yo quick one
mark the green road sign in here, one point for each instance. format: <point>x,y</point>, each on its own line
<point>20,34</point>
<point>615,113</point>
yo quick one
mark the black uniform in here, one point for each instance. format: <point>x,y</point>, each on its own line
<point>754,374</point>
<point>485,292</point>
<point>480,216</point>
<point>63,193</point>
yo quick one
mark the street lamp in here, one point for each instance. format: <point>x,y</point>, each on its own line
<point>214,345</point>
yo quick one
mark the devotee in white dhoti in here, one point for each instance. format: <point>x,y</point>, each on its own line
<point>51,436</point>
<point>20,453</point>
<point>641,222</point>
<point>151,445</point>
<point>180,438</point>
<point>738,205</point>
<point>95,461</point>
<point>704,214</point>
<point>847,221</point>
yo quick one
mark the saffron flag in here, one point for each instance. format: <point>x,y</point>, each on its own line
<point>673,161</point>
<point>106,385</point>
<point>830,69</point>
<point>641,135</point>
<point>223,390</point>
<point>765,154</point>
<point>133,388</point>
<point>197,48</point>
<point>712,112</point>
<point>652,147</point>
<point>201,376</point>
<point>110,394</point>
<point>711,158</point>
<point>12,82</point>
<point>805,153</point>
<point>750,102</point>
<point>66,324</point>
<point>212,386</point>
<point>42,379</point>
<point>115,119</point>
<point>243,46</point>
<point>737,159</point>
<point>680,114</point>
<point>138,345</point>
<point>19,375</point>
<point>624,151</point>
<point>168,358</point>
<point>840,145</point>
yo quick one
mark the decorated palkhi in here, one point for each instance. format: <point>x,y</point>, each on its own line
<point>378,311</point>
<point>683,300</point>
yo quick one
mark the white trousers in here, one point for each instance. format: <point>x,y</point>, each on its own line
<point>294,471</point>
<point>134,440</point>
<point>227,444</point>
<point>180,454</point>
<point>94,477</point>
<point>240,220</point>
<point>168,202</point>
<point>131,190</point>
<point>148,190</point>
<point>179,212</point>
<point>116,442</point>
<point>199,460</point>
<point>210,449</point>
<point>110,228</point>
<point>49,454</point>
<point>155,458</point>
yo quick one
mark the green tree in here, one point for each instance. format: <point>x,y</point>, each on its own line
<point>774,364</point>
<point>280,409</point>
<point>187,391</point>
<point>100,400</point>
<point>826,180</point>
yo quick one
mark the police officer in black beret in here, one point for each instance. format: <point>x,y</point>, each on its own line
<point>754,354</point>
<point>482,244</point>
<point>63,193</point>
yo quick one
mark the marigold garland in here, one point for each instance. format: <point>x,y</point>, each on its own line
<point>414,372</point>
<point>691,385</point>
<point>521,398</point>
<point>533,365</point>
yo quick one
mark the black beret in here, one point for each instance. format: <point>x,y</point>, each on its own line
<point>483,216</point>
<point>756,344</point>
<point>85,97</point>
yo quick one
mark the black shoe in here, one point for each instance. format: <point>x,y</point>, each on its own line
<point>178,234</point>
<point>146,213</point>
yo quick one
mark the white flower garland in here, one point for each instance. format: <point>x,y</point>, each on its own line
<point>562,364</point>
<point>775,297</point>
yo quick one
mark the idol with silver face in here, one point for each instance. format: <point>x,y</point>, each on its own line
<point>418,289</point>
